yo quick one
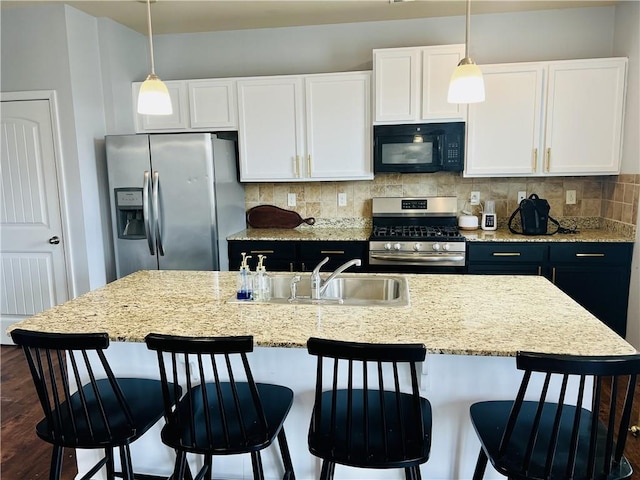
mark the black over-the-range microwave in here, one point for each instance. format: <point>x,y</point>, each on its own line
<point>418,148</point>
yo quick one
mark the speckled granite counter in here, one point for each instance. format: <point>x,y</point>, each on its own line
<point>585,235</point>
<point>303,233</point>
<point>452,314</point>
<point>362,234</point>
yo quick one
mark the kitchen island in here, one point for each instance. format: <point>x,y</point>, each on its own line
<point>471,325</point>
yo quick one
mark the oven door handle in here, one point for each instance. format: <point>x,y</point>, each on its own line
<point>425,258</point>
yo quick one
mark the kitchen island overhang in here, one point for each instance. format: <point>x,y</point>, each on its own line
<point>471,325</point>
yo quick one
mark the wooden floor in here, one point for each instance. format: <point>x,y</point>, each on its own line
<point>25,457</point>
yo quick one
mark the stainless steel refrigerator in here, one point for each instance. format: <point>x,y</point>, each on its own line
<point>174,200</point>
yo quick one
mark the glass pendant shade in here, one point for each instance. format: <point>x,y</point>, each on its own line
<point>467,84</point>
<point>153,98</point>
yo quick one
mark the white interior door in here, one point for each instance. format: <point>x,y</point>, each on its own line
<point>33,275</point>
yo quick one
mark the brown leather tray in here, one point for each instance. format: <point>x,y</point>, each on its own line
<point>270,216</point>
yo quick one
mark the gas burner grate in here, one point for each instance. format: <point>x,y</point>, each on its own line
<point>415,231</point>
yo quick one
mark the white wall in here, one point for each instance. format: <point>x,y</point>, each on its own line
<point>627,43</point>
<point>542,35</point>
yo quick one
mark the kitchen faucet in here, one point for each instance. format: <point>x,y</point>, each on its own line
<point>318,287</point>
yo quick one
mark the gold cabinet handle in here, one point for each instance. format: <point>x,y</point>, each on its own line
<point>309,165</point>
<point>506,254</point>
<point>261,251</point>
<point>332,252</point>
<point>548,160</point>
<point>589,254</point>
<point>535,160</point>
<point>297,166</point>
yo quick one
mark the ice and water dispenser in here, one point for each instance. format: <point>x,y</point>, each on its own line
<point>129,213</point>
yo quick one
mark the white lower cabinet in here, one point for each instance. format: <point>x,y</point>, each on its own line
<point>548,118</point>
<point>305,127</point>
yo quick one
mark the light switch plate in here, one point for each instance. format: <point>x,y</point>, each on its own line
<point>291,199</point>
<point>475,198</point>
<point>342,199</point>
<point>571,197</point>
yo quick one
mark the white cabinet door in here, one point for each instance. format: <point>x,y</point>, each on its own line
<point>503,132</point>
<point>584,116</point>
<point>397,84</point>
<point>548,118</point>
<point>338,126</point>
<point>411,84</point>
<point>270,131</point>
<point>438,63</point>
<point>212,104</point>
<point>177,121</point>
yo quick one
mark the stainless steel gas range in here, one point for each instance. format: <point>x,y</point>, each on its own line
<point>416,234</point>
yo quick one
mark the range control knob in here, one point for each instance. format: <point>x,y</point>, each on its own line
<point>397,246</point>
<point>387,246</point>
<point>446,247</point>
<point>417,247</point>
<point>436,247</point>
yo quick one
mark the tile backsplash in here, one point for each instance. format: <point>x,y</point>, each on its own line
<point>604,199</point>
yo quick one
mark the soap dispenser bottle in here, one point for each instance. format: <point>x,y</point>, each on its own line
<point>261,282</point>
<point>245,283</point>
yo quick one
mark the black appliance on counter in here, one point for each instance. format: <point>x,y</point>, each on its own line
<point>416,235</point>
<point>418,148</point>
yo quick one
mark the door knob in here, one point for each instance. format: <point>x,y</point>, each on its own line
<point>55,240</point>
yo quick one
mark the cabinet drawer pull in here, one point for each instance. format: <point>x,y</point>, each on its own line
<point>291,266</point>
<point>553,275</point>
<point>539,271</point>
<point>506,254</point>
<point>332,252</point>
<point>589,254</point>
<point>261,251</point>
<point>535,160</point>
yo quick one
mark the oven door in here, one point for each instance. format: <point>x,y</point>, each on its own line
<point>383,260</point>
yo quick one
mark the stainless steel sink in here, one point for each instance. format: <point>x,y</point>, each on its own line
<point>350,290</point>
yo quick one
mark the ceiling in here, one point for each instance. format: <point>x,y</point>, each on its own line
<point>187,16</point>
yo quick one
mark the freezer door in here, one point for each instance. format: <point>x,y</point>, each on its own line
<point>129,172</point>
<point>183,177</point>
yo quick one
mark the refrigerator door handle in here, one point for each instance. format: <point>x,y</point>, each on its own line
<point>156,212</point>
<point>146,214</point>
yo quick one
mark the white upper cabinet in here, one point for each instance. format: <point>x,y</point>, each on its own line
<point>548,118</point>
<point>305,128</point>
<point>198,105</point>
<point>212,104</point>
<point>177,121</point>
<point>338,126</point>
<point>411,84</point>
<point>271,128</point>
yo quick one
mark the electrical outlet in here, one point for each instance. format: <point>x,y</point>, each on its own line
<point>342,199</point>
<point>571,197</point>
<point>475,198</point>
<point>291,199</point>
<point>521,196</point>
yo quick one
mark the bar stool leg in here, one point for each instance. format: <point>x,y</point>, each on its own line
<point>56,463</point>
<point>481,465</point>
<point>256,462</point>
<point>286,456</point>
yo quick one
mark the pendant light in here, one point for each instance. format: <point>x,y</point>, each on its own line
<point>467,84</point>
<point>153,98</point>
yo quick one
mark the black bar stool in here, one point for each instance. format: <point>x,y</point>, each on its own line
<point>223,411</point>
<point>373,425</point>
<point>104,413</point>
<point>549,437</point>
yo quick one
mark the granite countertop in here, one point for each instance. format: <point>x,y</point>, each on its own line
<point>304,233</point>
<point>362,234</point>
<point>452,314</point>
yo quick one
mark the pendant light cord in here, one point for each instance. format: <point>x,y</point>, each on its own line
<point>153,69</point>
<point>468,29</point>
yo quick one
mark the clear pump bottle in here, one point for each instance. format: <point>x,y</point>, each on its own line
<point>261,282</point>
<point>244,289</point>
